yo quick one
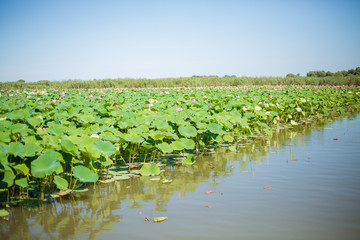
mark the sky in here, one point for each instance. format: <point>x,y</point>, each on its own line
<point>88,39</point>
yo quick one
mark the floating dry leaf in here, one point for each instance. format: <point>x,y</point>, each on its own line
<point>208,192</point>
<point>208,206</point>
<point>160,219</point>
<point>267,187</point>
<point>335,139</point>
<point>294,159</point>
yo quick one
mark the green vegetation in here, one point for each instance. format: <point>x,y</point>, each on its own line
<point>313,78</point>
<point>53,142</point>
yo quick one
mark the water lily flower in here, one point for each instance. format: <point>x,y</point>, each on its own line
<point>209,106</point>
<point>90,95</point>
<point>244,109</point>
<point>54,101</point>
<point>187,103</point>
<point>257,108</point>
<point>193,100</point>
<point>116,105</point>
<point>150,105</point>
<point>270,96</point>
<point>62,95</point>
<point>179,109</point>
<point>298,109</point>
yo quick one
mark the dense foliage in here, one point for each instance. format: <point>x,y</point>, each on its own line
<point>54,140</point>
<point>195,81</point>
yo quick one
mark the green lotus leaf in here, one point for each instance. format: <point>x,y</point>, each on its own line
<point>121,177</point>
<point>84,174</point>
<point>87,118</point>
<point>46,164</point>
<point>177,145</point>
<point>18,128</point>
<point>165,147</point>
<point>21,168</point>
<point>92,152</point>
<point>214,127</point>
<point>22,182</point>
<point>228,138</point>
<point>16,149</point>
<point>188,131</point>
<point>31,149</point>
<point>69,147</point>
<point>133,138</point>
<point>61,183</point>
<point>157,135</point>
<point>188,143</point>
<point>3,213</point>
<point>5,137</point>
<point>150,169</point>
<point>106,148</point>
<point>34,121</point>
<point>7,175</point>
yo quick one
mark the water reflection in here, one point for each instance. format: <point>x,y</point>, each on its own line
<point>85,215</point>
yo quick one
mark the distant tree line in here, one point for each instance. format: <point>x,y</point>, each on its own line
<point>350,72</point>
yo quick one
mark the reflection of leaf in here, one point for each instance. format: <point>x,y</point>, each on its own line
<point>190,159</point>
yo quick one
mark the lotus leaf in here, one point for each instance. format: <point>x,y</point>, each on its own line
<point>188,131</point>
<point>188,143</point>
<point>150,169</point>
<point>106,148</point>
<point>7,175</point>
<point>214,127</point>
<point>16,149</point>
<point>84,174</point>
<point>22,182</point>
<point>31,149</point>
<point>165,147</point>
<point>46,164</point>
<point>61,183</point>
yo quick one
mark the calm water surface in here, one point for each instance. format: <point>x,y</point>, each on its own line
<point>315,194</point>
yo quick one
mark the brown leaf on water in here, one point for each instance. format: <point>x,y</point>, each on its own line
<point>160,219</point>
<point>335,139</point>
<point>208,206</point>
<point>63,193</point>
<point>267,187</point>
<point>146,219</point>
<point>208,192</point>
<point>294,159</point>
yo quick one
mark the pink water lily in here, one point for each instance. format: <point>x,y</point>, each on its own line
<point>116,105</point>
<point>179,109</point>
<point>270,96</point>
<point>54,101</point>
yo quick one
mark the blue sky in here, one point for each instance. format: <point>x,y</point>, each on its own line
<point>85,39</point>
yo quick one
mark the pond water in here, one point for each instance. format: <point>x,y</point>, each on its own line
<point>312,191</point>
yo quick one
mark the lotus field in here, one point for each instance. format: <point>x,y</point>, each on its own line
<point>55,141</point>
